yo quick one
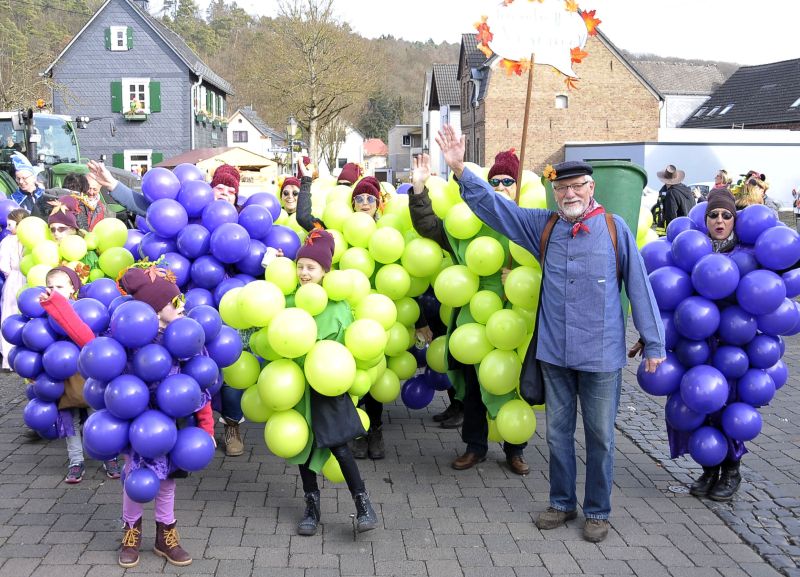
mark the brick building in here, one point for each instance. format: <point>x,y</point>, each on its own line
<point>612,102</point>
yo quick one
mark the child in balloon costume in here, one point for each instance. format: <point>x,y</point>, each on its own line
<point>14,280</point>
<point>725,303</point>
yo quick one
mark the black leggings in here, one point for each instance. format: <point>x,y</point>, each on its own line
<point>349,469</point>
<point>374,410</point>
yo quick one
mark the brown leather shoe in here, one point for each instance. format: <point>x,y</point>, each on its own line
<point>131,543</point>
<point>467,461</point>
<point>518,465</point>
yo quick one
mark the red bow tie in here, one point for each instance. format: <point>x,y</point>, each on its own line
<point>581,226</point>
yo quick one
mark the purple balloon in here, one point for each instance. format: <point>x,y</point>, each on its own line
<point>678,225</point>
<point>218,213</point>
<point>671,336</point>
<point>12,354</point>
<point>207,272</point>
<point>12,328</point>
<point>250,263</point>
<point>195,195</point>
<point>268,201</point>
<point>731,361</point>
<point>764,351</point>
<point>752,221</point>
<point>193,241</point>
<point>37,334</point>
<point>420,353</point>
<point>698,216</point>
<point>708,446</point>
<point>153,434</point>
<point>438,381</point>
<point>745,261</point>
<point>697,318</point>
<point>116,302</point>
<point>94,393</point>
<point>741,422</point>
<point>657,254</point>
<point>27,363</point>
<point>284,238</point>
<point>193,450</point>
<point>126,397</point>
<point>226,347</point>
<point>167,217</point>
<point>679,416</point>
<point>665,380</point>
<point>60,360</point>
<point>184,338</point>
<point>704,389</point>
<point>755,388</point>
<point>196,297</point>
<point>141,224</point>
<point>225,286</point>
<point>203,370</point>
<point>48,389</point>
<point>760,292</point>
<point>104,290</point>
<point>180,267</point>
<point>158,183</point>
<point>40,415</point>
<point>209,319</point>
<point>792,281</point>
<point>6,206</point>
<point>178,395</point>
<point>779,373</point>
<point>229,242</point>
<point>692,353</point>
<point>416,393</point>
<point>186,172</point>
<point>134,240</point>
<point>781,321</point>
<point>689,247</point>
<point>671,286</point>
<point>134,324</point>
<point>778,247</point>
<point>102,359</point>
<point>29,304</point>
<point>153,246</point>
<point>94,313</point>
<point>246,278</point>
<point>152,363</point>
<point>256,219</point>
<point>105,434</point>
<point>736,326</point>
<point>142,485</point>
<point>715,276</point>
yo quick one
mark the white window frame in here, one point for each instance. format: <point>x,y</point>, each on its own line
<point>144,93</point>
<point>406,140</point>
<point>562,102</point>
<point>234,134</point>
<point>117,33</point>
<point>130,162</point>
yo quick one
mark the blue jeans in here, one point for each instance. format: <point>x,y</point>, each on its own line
<point>599,395</point>
<point>231,402</point>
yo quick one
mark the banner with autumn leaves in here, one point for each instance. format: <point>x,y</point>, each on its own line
<point>554,32</point>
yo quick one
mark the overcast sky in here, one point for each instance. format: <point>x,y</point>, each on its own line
<point>742,32</point>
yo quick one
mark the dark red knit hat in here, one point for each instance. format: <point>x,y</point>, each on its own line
<point>505,162</point>
<point>319,246</point>
<point>368,185</point>
<point>150,285</point>
<point>73,276</point>
<point>64,211</point>
<point>227,175</point>
<point>350,173</point>
<point>290,180</point>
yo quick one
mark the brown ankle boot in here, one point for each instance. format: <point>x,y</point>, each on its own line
<point>168,545</point>
<point>131,542</point>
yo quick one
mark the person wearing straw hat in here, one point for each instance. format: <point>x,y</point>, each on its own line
<point>678,198</point>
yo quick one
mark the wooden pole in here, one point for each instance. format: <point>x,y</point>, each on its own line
<point>525,128</point>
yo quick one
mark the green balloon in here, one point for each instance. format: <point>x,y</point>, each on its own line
<point>403,365</point>
<point>330,368</point>
<point>282,272</point>
<point>469,345</point>
<point>340,245</point>
<point>397,340</point>
<point>292,332</point>
<point>310,297</point>
<point>393,281</point>
<point>286,433</point>
<point>394,221</point>
<point>281,385</point>
<point>435,355</point>
<point>259,301</point>
<point>243,373</point>
<point>361,286</point>
<point>516,421</point>
<point>456,285</point>
<point>110,232</point>
<point>499,372</point>
<point>484,255</point>
<point>483,304</point>
<point>377,307</point>
<point>386,244</point>
<point>114,260</point>
<point>357,229</point>
<point>461,222</point>
<point>365,339</point>
<point>252,407</point>
<point>337,284</point>
<point>33,230</point>
<point>336,213</point>
<point>259,344</point>
<point>506,329</point>
<point>229,309</point>
<point>46,252</point>
<point>361,384</point>
<point>529,316</point>
<point>386,387</point>
<point>522,287</point>
<point>407,311</point>
<point>358,258</point>
<point>418,286</point>
<point>422,257</point>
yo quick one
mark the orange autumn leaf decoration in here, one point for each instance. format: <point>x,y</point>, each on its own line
<point>571,83</point>
<point>591,22</point>
<point>486,50</point>
<point>484,35</point>
<point>549,172</point>
<point>512,67</point>
<point>577,55</point>
<point>571,6</point>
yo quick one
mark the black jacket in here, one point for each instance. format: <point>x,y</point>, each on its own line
<point>425,221</point>
<point>678,201</point>
<point>303,214</point>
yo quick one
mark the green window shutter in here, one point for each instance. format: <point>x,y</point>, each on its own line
<point>108,38</point>
<point>118,160</point>
<point>155,96</point>
<point>116,96</point>
<point>156,157</point>
<point>129,37</point>
<point>210,102</point>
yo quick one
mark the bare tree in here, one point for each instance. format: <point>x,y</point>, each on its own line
<point>331,138</point>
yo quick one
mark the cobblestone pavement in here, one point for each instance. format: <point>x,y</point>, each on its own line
<point>238,517</point>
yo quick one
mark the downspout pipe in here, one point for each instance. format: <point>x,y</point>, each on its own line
<point>195,86</point>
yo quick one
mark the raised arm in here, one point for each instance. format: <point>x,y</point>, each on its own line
<point>424,220</point>
<point>136,203</point>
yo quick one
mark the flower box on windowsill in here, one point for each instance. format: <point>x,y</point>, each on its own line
<point>135,116</point>
<point>215,123</point>
<point>223,124</point>
<point>201,117</point>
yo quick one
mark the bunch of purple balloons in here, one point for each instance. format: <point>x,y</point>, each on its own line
<point>210,245</point>
<point>724,317</point>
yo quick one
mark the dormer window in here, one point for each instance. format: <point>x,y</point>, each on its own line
<point>795,104</point>
<point>700,112</point>
<point>713,111</point>
<point>725,110</point>
<point>119,38</point>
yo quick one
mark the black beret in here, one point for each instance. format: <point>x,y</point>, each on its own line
<point>572,168</point>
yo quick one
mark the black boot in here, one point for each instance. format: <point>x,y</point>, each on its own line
<point>366,519</point>
<point>728,483</point>
<point>375,446</point>
<point>703,485</point>
<point>308,524</point>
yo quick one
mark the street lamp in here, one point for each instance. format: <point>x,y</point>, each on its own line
<point>291,130</point>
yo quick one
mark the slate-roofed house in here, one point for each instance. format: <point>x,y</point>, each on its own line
<point>148,94</point>
<point>442,105</point>
<point>684,86</point>
<point>248,130</point>
<point>763,96</point>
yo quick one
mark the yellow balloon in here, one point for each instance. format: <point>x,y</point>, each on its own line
<point>468,343</point>
<point>292,332</point>
<point>361,384</point>
<point>483,304</point>
<point>282,272</point>
<point>73,247</point>
<point>360,286</point>
<point>362,414</point>
<point>377,307</point>
<point>229,310</point>
<point>494,436</point>
<point>422,257</point>
<point>365,339</point>
<point>386,387</point>
<point>456,285</point>
<point>46,252</point>
<point>407,311</point>
<point>281,385</point>
<point>330,368</point>
<point>522,287</point>
<point>435,355</point>
<point>37,275</point>
<point>252,407</point>
<point>243,373</point>
<point>358,228</point>
<point>259,344</point>
<point>110,232</point>
<point>286,433</point>
<point>336,213</point>
<point>386,244</point>
<point>461,222</point>
<point>338,285</point>
<point>259,301</point>
<point>499,372</point>
<point>310,297</point>
<point>25,264</point>
<point>516,421</point>
<point>403,365</point>
<point>31,231</point>
<point>506,329</point>
<point>397,340</point>
<point>418,286</point>
<point>91,240</point>
<point>393,281</point>
<point>522,256</point>
<point>358,258</point>
<point>339,245</point>
<point>332,471</point>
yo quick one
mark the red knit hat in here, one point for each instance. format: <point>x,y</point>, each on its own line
<point>64,210</point>
<point>227,175</point>
<point>150,285</point>
<point>319,247</point>
<point>290,180</point>
<point>368,185</point>
<point>350,173</point>
<point>505,162</point>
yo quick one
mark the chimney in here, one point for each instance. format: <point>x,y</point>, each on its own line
<point>143,4</point>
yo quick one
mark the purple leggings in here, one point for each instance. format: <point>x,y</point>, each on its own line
<point>164,508</point>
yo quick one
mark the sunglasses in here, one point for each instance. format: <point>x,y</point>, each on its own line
<point>290,192</point>
<point>715,214</point>
<point>362,198</point>
<point>495,182</point>
<point>55,229</point>
<point>178,300</point>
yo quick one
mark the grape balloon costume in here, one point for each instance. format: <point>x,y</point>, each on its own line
<point>724,309</point>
